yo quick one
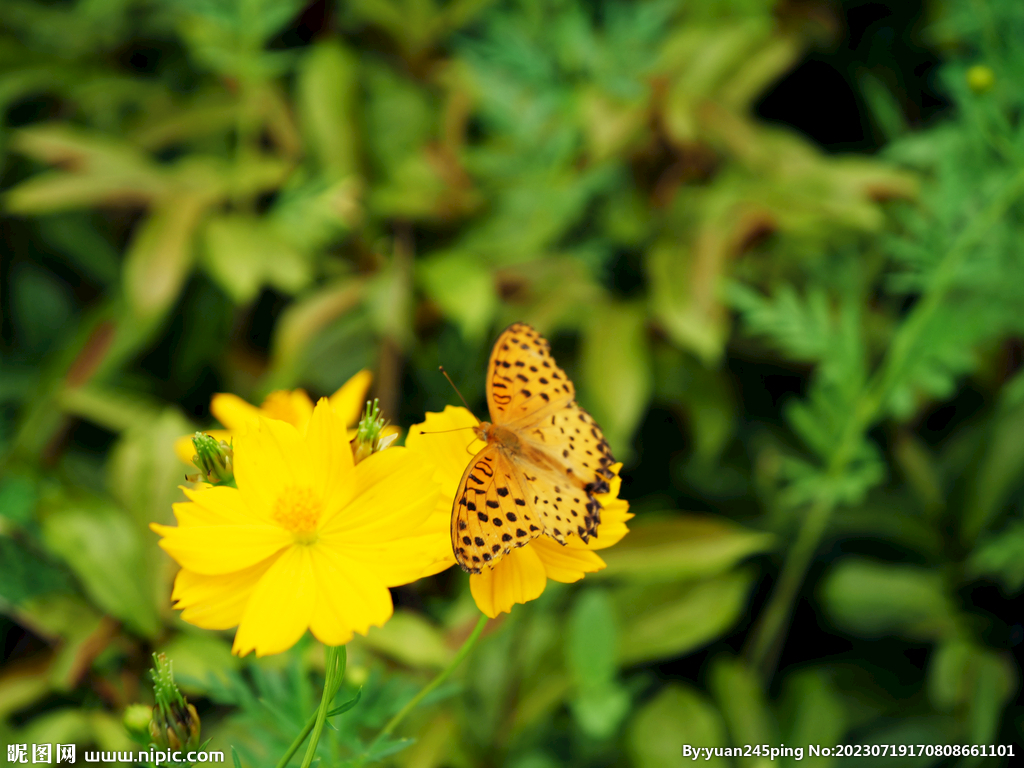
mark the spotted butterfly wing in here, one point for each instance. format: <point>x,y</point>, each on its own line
<point>543,449</point>
<point>523,381</point>
<point>491,512</point>
<point>564,453</point>
<point>567,461</point>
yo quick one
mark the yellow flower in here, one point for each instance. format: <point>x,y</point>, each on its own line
<point>308,539</point>
<point>522,574</point>
<point>292,406</point>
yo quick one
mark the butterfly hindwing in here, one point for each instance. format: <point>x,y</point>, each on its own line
<point>523,381</point>
<point>491,514</point>
<point>572,463</point>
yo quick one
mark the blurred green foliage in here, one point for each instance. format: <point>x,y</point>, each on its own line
<point>203,195</point>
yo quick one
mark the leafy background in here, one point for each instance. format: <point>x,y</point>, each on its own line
<point>776,245</point>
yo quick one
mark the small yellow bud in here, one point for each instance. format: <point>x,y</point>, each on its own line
<point>981,78</point>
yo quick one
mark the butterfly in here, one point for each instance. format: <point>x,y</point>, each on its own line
<point>544,464</point>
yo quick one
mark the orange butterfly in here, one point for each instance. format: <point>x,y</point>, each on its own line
<point>545,459</point>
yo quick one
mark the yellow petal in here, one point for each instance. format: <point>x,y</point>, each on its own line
<point>331,455</point>
<point>232,411</point>
<point>395,495</point>
<point>613,525</point>
<point>402,561</point>
<point>517,578</point>
<point>184,449</point>
<point>216,602</point>
<point>565,564</point>
<point>348,401</point>
<point>291,406</point>
<point>349,598</point>
<point>217,549</point>
<point>217,505</point>
<point>449,452</point>
<point>614,514</point>
<point>269,458</point>
<point>280,606</point>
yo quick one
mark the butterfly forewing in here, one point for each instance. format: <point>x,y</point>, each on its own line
<point>492,513</point>
<point>523,382</point>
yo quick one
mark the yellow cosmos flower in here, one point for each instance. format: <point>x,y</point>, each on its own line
<point>293,406</point>
<point>308,539</point>
<point>522,574</point>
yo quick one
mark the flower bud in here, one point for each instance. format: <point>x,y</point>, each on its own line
<point>372,434</point>
<point>214,459</point>
<point>175,724</point>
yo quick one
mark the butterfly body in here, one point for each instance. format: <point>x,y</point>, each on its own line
<point>544,461</point>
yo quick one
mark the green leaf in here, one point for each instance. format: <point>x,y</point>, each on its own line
<point>464,288</point>
<point>327,101</point>
<point>143,472</point>
<point>875,599</point>
<point>962,673</point>
<point>599,711</point>
<point>105,171</point>
<point>200,661</point>
<point>106,551</point>
<point>43,309</point>
<point>76,236</point>
<point>18,499</point>
<point>1001,557</point>
<point>689,323</point>
<point>343,708</point>
<point>802,329</point>
<point>311,216</point>
<point>591,654</point>
<point>77,726</point>
<point>661,622</point>
<point>617,370</point>
<point>411,640</point>
<point>387,748</point>
<point>160,256</point>
<point>884,106</point>
<point>812,711</point>
<point>69,622</point>
<point>677,715</point>
<point>682,547</point>
<point>24,574</point>
<point>114,409</point>
<point>592,639</point>
<point>1001,470</point>
<point>740,696</point>
<point>242,253</point>
<point>706,394</point>
<point>996,679</point>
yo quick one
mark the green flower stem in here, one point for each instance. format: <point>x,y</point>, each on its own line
<point>335,667</point>
<point>428,688</point>
<point>768,635</point>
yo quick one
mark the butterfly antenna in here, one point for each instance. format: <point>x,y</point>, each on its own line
<point>442,370</point>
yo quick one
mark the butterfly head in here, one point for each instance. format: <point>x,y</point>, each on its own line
<point>496,434</point>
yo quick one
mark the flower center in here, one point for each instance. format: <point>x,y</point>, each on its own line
<point>298,510</point>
